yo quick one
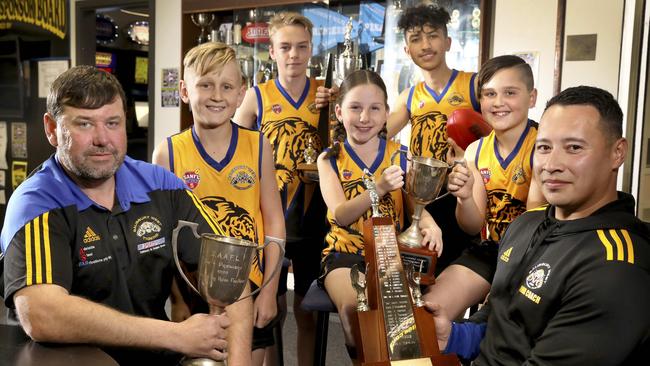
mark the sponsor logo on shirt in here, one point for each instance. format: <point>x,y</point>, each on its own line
<point>151,245</point>
<point>421,104</point>
<point>506,255</point>
<point>455,99</point>
<point>520,176</point>
<point>87,256</point>
<point>147,228</point>
<point>346,174</point>
<point>90,236</point>
<point>242,177</point>
<point>192,179</point>
<point>276,108</point>
<point>485,173</point>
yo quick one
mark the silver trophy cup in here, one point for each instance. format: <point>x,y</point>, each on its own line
<point>203,21</point>
<point>424,180</point>
<point>224,267</point>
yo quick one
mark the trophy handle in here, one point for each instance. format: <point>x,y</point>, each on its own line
<point>278,266</point>
<point>182,224</point>
<point>456,162</point>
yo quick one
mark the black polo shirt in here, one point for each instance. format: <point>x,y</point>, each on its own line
<point>122,257</point>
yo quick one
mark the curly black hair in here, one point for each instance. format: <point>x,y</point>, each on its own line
<point>418,16</point>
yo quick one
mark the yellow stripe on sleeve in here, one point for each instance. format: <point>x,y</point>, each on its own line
<point>28,253</point>
<point>37,251</point>
<point>630,247</point>
<point>213,225</point>
<point>46,244</point>
<point>607,244</point>
<point>619,245</point>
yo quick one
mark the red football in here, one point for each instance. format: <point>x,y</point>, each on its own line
<point>466,126</point>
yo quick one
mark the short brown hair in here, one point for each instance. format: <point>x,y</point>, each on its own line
<point>84,87</point>
<point>491,66</point>
<point>208,57</point>
<point>282,19</point>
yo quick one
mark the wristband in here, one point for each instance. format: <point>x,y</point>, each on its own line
<point>268,239</point>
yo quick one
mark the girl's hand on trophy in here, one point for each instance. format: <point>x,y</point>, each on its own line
<point>325,95</point>
<point>265,308</point>
<point>432,239</point>
<point>204,335</point>
<point>460,181</point>
<point>391,179</point>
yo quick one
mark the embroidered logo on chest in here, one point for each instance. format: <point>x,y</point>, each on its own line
<point>485,174</point>
<point>147,227</point>
<point>90,236</point>
<point>242,177</point>
<point>455,99</point>
<point>538,275</point>
<point>276,108</point>
<point>192,179</point>
<point>519,177</point>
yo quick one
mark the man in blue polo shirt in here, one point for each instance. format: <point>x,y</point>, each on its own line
<point>87,245</point>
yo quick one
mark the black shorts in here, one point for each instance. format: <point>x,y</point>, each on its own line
<point>305,256</point>
<point>481,258</point>
<point>336,260</point>
<point>263,337</point>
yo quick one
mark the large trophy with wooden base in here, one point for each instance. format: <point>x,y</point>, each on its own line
<point>391,326</point>
<point>338,68</point>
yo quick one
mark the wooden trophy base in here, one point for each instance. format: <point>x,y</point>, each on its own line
<point>308,171</point>
<point>420,256</point>
<point>384,335</point>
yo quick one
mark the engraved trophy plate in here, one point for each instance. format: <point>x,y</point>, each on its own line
<point>395,330</point>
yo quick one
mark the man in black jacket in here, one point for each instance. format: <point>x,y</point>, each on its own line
<point>571,286</point>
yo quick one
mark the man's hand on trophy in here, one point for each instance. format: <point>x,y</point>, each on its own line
<point>204,335</point>
<point>265,308</point>
<point>391,179</point>
<point>442,322</point>
<point>460,181</point>
<point>325,95</point>
<point>431,237</point>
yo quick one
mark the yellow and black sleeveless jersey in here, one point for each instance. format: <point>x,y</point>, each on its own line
<point>506,180</point>
<point>349,168</point>
<point>230,187</point>
<point>428,112</point>
<point>288,124</point>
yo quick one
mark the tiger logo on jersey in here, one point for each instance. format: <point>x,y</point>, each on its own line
<point>294,133</point>
<point>429,135</point>
<point>507,208</point>
<point>235,220</point>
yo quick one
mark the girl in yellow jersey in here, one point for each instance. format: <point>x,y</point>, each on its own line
<point>363,109</point>
<point>495,185</point>
<point>230,169</point>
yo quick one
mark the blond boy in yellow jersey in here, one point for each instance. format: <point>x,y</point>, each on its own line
<point>231,170</point>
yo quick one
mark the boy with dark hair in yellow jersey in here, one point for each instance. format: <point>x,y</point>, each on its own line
<point>230,168</point>
<point>427,105</point>
<point>495,185</point>
<point>283,109</point>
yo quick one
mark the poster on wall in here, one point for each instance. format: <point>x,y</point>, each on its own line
<point>3,146</point>
<point>47,72</point>
<point>18,173</point>
<point>19,140</point>
<point>3,198</point>
<point>170,96</point>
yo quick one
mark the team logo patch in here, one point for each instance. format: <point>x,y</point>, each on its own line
<point>242,177</point>
<point>456,99</point>
<point>192,179</point>
<point>347,174</point>
<point>277,109</point>
<point>519,177</point>
<point>90,236</point>
<point>485,173</point>
<point>312,108</point>
<point>147,228</point>
<point>538,275</point>
<point>421,104</point>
